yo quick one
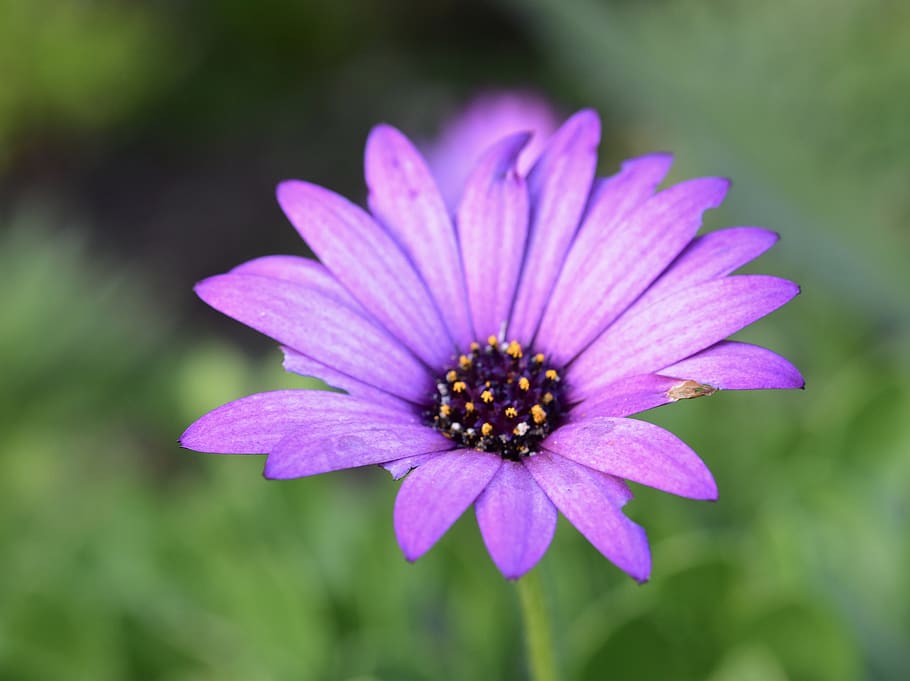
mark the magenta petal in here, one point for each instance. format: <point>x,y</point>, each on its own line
<point>731,365</point>
<point>301,271</point>
<point>488,119</point>
<point>647,339</point>
<point>434,495</point>
<point>612,199</point>
<point>255,424</point>
<point>517,520</point>
<point>405,199</point>
<point>401,467</point>
<point>728,365</point>
<point>615,197</point>
<point>592,501</point>
<point>637,451</point>
<point>709,256</point>
<point>636,253</point>
<point>367,261</point>
<point>302,365</point>
<point>319,327</point>
<point>626,396</point>
<point>492,228</point>
<point>559,184</point>
<point>327,443</point>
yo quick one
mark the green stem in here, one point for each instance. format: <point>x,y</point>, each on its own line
<point>537,632</point>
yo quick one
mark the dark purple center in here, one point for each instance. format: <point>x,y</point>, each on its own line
<point>498,399</point>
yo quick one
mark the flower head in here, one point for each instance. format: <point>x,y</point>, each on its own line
<point>492,353</point>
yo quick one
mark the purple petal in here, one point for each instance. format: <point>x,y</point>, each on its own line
<point>615,197</point>
<point>304,366</point>
<point>320,328</point>
<point>612,199</point>
<point>636,253</point>
<point>327,442</point>
<point>492,228</point>
<point>367,261</point>
<point>484,122</point>
<point>592,501</point>
<point>301,271</point>
<point>637,451</point>
<point>647,339</point>
<point>710,256</point>
<point>405,199</point>
<point>731,365</point>
<point>433,496</point>
<point>401,467</point>
<point>256,424</point>
<point>728,365</point>
<point>559,185</point>
<point>626,396</point>
<point>517,520</point>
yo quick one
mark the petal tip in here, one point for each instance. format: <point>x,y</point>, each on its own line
<point>195,438</point>
<point>410,553</point>
<point>384,139</point>
<point>721,187</point>
<point>275,470</point>
<point>381,129</point>
<point>185,439</point>
<point>640,571</point>
<point>503,156</point>
<point>511,575</point>
<point>588,120</point>
<point>285,188</point>
<point>203,287</point>
<point>708,491</point>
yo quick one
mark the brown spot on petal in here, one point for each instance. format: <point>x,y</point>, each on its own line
<point>688,390</point>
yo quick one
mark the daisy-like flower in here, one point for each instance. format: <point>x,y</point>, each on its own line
<point>493,354</point>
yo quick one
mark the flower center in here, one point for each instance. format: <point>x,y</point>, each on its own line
<point>497,399</point>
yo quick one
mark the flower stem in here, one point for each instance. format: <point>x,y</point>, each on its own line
<point>539,643</point>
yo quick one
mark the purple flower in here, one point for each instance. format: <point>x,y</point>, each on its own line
<point>493,355</point>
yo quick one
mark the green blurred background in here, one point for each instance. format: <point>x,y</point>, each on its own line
<point>139,147</point>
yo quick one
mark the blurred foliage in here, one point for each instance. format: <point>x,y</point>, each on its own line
<point>125,557</point>
<point>76,67</point>
<point>805,104</point>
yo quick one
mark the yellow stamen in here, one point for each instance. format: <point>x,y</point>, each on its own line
<point>469,407</point>
<point>547,398</point>
<point>492,341</point>
<point>487,396</point>
<point>538,414</point>
<point>514,350</point>
<point>464,361</point>
<point>475,346</point>
<point>552,375</point>
<point>459,386</point>
<point>511,412</point>
<point>451,375</point>
<point>445,410</point>
<point>523,383</point>
<point>486,430</point>
<point>539,358</point>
